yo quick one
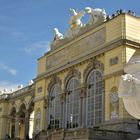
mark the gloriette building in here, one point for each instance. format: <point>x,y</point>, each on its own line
<point>75,93</point>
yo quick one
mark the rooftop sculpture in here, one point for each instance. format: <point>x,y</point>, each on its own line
<point>97,15</point>
<point>30,82</point>
<point>75,20</point>
<point>57,35</point>
<point>20,86</point>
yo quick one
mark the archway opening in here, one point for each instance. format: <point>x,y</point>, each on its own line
<point>31,120</point>
<point>22,118</point>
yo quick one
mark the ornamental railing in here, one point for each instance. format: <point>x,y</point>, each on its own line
<point>4,96</point>
<point>18,92</point>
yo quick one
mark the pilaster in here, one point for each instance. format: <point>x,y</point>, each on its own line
<point>82,105</point>
<point>17,125</point>
<point>27,118</point>
<point>62,115</point>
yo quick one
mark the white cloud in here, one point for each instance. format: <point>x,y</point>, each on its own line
<point>8,69</point>
<point>8,85</point>
<point>41,46</point>
<point>18,36</point>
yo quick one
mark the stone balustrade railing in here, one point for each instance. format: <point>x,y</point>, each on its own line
<point>16,93</point>
<point>86,133</point>
<point>4,96</point>
<point>22,91</point>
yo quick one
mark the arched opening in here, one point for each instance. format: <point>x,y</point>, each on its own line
<point>21,122</point>
<point>94,98</point>
<point>31,120</point>
<point>22,119</point>
<point>54,107</point>
<point>72,103</point>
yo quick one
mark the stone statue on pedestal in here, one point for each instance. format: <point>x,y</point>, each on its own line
<point>114,102</point>
<point>97,15</point>
<point>57,36</point>
<point>75,22</point>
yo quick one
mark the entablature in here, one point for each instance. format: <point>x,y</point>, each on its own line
<point>84,59</point>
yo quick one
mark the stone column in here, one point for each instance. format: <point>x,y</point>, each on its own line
<point>82,105</point>
<point>17,125</point>
<point>46,106</point>
<point>27,121</point>
<point>47,117</point>
<point>10,125</point>
<point>8,129</point>
<point>62,99</point>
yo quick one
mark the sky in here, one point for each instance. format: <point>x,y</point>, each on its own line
<point>26,30</point>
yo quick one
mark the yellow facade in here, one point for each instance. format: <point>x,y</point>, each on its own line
<point>107,47</point>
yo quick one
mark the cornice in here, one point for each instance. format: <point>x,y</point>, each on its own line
<point>20,96</point>
<point>132,43</point>
<point>120,72</point>
<point>36,99</point>
<point>101,50</point>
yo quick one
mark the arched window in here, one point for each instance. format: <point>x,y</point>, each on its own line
<point>94,104</point>
<point>54,107</point>
<point>72,103</point>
